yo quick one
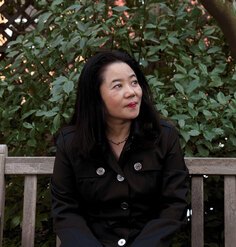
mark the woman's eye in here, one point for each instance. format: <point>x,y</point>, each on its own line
<point>117,86</point>
<point>135,82</point>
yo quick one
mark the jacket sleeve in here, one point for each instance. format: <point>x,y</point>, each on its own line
<point>69,225</point>
<point>160,231</point>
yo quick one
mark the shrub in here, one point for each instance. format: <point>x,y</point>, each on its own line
<point>181,50</point>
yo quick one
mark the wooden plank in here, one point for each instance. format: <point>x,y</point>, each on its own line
<point>44,165</point>
<point>29,165</point>
<point>211,166</point>
<point>197,222</point>
<point>3,154</point>
<point>230,210</point>
<point>29,210</point>
<point>58,242</point>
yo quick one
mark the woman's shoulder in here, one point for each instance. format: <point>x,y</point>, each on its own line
<point>66,134</point>
<point>166,123</point>
<point>168,127</point>
<point>68,130</point>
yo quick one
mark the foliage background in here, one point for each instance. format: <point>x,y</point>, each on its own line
<point>184,56</point>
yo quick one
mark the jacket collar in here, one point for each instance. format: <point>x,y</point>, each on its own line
<point>141,139</point>
<point>138,140</point>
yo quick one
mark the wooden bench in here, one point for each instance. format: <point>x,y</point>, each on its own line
<point>31,167</point>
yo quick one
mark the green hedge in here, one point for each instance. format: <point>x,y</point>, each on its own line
<point>182,52</point>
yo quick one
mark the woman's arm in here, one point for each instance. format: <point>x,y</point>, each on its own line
<point>69,225</point>
<point>159,232</point>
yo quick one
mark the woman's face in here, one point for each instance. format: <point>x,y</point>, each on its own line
<point>120,92</point>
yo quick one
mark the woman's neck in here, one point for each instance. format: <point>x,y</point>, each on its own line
<point>117,135</point>
<point>118,132</point>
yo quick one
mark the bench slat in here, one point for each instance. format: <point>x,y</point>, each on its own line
<point>3,154</point>
<point>58,242</point>
<point>211,166</point>
<point>29,210</point>
<point>29,165</point>
<point>197,223</point>
<point>230,210</point>
<point>44,165</point>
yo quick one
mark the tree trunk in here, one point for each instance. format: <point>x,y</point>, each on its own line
<point>225,15</point>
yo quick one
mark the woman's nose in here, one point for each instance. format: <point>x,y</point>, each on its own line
<point>129,91</point>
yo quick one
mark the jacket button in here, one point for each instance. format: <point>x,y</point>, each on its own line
<point>120,178</point>
<point>121,242</point>
<point>100,171</point>
<point>124,205</point>
<point>138,166</point>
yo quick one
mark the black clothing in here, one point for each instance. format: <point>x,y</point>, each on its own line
<point>137,201</point>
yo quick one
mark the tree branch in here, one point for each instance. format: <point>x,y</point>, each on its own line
<point>226,18</point>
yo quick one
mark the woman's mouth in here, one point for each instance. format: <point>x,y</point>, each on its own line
<point>132,105</point>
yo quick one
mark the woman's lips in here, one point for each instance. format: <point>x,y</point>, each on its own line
<point>132,105</point>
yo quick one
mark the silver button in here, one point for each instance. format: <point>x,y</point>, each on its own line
<point>121,242</point>
<point>120,178</point>
<point>124,205</point>
<point>100,171</point>
<point>138,166</point>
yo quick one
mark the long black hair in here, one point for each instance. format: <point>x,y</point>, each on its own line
<point>88,115</point>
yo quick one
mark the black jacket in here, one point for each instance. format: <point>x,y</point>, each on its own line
<point>138,201</point>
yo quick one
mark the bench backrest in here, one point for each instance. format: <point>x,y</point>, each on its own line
<point>31,167</point>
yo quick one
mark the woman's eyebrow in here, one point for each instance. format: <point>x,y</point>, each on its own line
<point>117,79</point>
<point>133,75</point>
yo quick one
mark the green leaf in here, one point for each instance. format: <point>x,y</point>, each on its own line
<point>81,26</point>
<point>15,221</point>
<point>194,133</point>
<point>193,113</point>
<point>216,81</point>
<point>12,54</point>
<point>207,113</point>
<point>203,68</point>
<point>209,135</point>
<point>180,117</point>
<point>27,114</point>
<point>150,25</point>
<point>185,135</point>
<point>42,20</point>
<point>181,69</point>
<point>68,87</point>
<point>221,98</point>
<point>234,76</point>
<point>214,49</point>
<point>75,7</point>
<point>56,123</point>
<point>218,131</point>
<point>1,92</point>
<point>202,45</point>
<point>179,76</point>
<point>232,139</point>
<point>186,59</point>
<point>27,125</point>
<point>219,69</point>
<point>181,123</point>
<point>56,98</point>
<point>173,40</point>
<point>45,113</point>
<point>192,86</point>
<point>56,2</point>
<point>120,8</point>
<point>83,42</point>
<point>179,87</point>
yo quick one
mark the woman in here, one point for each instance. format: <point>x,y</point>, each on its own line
<point>119,177</point>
